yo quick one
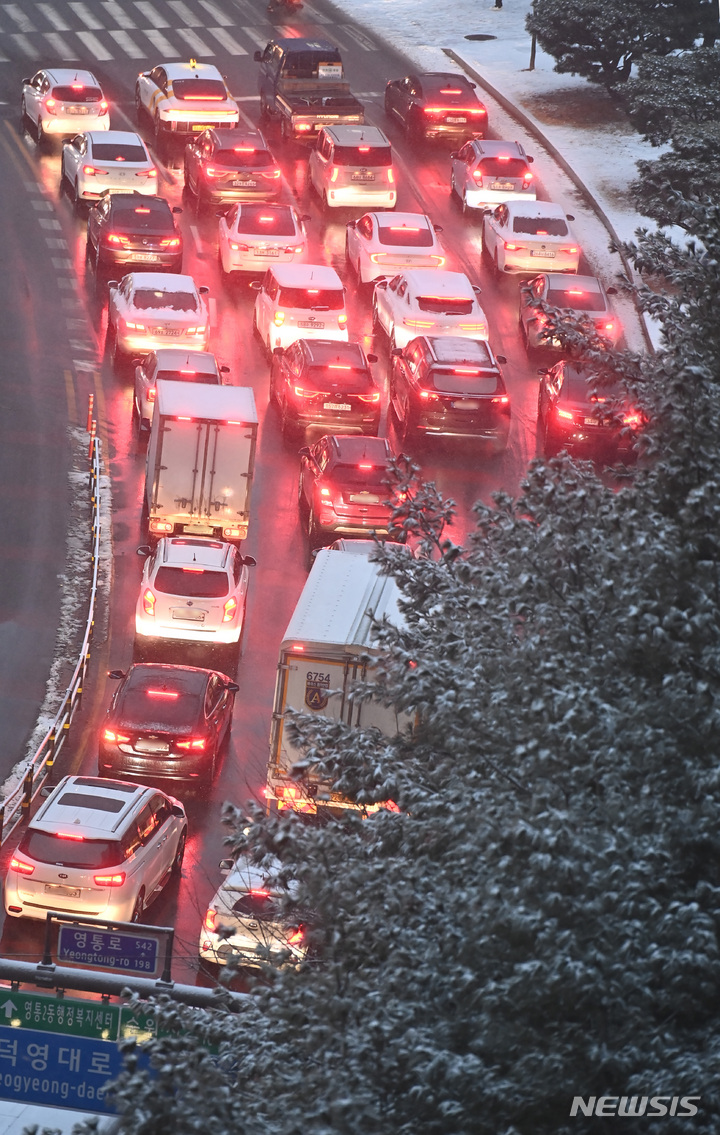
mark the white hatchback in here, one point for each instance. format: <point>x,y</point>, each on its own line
<point>113,161</point>
<point>251,236</point>
<point>381,244</point>
<point>529,237</point>
<point>422,302</point>
<point>353,165</point>
<point>57,103</point>
<point>299,301</point>
<point>147,310</point>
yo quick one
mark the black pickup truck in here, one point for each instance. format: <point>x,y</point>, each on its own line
<point>303,87</point>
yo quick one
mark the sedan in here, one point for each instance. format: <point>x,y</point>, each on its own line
<point>166,721</point>
<point>251,236</point>
<point>523,236</point>
<point>183,99</point>
<point>422,302</point>
<point>581,297</point>
<point>112,161</point>
<point>147,310</point>
<point>222,166</point>
<point>125,229</point>
<point>436,105</point>
<point>380,245</point>
<point>324,384</point>
<point>175,364</point>
<point>579,411</point>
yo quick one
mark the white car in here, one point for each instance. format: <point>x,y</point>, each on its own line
<point>299,301</point>
<point>193,589</point>
<point>353,165</point>
<point>183,99</point>
<point>381,244</point>
<point>245,923</point>
<point>527,237</point>
<point>111,161</point>
<point>177,364</point>
<point>250,236</point>
<point>57,103</point>
<point>423,302</point>
<point>147,310</point>
<point>484,173</point>
<point>103,848</point>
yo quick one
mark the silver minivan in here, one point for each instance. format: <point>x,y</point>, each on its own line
<point>353,166</point>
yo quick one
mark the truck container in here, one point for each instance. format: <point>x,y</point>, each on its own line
<point>303,87</point>
<point>327,652</point>
<point>200,460</point>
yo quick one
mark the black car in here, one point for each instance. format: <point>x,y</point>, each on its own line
<point>223,166</point>
<point>579,410</point>
<point>133,229</point>
<point>436,105</point>
<point>449,387</point>
<point>324,384</point>
<point>166,721</point>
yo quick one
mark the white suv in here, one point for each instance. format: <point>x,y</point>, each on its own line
<point>353,165</point>
<point>96,847</point>
<point>62,102</point>
<point>299,301</point>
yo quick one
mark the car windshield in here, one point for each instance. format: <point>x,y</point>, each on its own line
<point>70,852</point>
<point>362,478</point>
<point>195,583</point>
<point>148,299</point>
<point>540,226</point>
<point>265,220</point>
<point>263,908</point>
<point>118,152</point>
<point>502,167</point>
<point>141,218</point>
<point>77,93</point>
<point>305,64</point>
<point>445,305</point>
<point>161,703</point>
<point>362,156</point>
<point>407,236</point>
<point>242,157</point>
<point>199,90</point>
<point>462,380</point>
<point>322,299</point>
<point>337,375</point>
<point>580,299</point>
<point>209,378</point>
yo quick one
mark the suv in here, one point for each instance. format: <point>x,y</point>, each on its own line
<point>223,166</point>
<point>60,102</point>
<point>130,228</point>
<point>484,174</point>
<point>96,847</point>
<point>353,165</point>
<point>437,104</point>
<point>450,388</point>
<point>305,301</point>
<point>177,365</point>
<point>580,411</point>
<point>322,383</point>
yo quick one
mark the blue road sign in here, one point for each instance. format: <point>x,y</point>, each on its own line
<point>119,950</point>
<point>56,1070</point>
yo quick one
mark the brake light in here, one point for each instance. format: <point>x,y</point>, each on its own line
<point>78,86</point>
<point>608,326</point>
<point>197,331</point>
<point>20,867</point>
<point>148,600</point>
<point>403,229</point>
<point>243,149</point>
<point>503,399</point>
<point>571,251</point>
<point>172,694</point>
<point>104,106</point>
<point>365,466</point>
<point>632,419</point>
<point>334,173</point>
<point>239,247</point>
<point>342,320</point>
<point>71,835</point>
<point>90,171</point>
<point>210,171</point>
<point>527,176</point>
<point>303,126</point>
<point>279,318</point>
<point>116,738</point>
<point>134,326</point>
<point>295,937</point>
<point>260,894</point>
<point>229,610</point>
<point>170,242</point>
<point>510,247</point>
<point>466,370</point>
<point>142,209</point>
<point>116,238</point>
<point>273,176</point>
<point>202,98</point>
<point>161,526</point>
<point>566,414</point>
<point>116,879</point>
<point>210,920</point>
<point>449,91</point>
<point>574,292</point>
<point>419,322</point>
<point>325,492</point>
<point>151,394</point>
<point>374,397</point>
<point>294,248</point>
<point>300,392</point>
<point>197,744</point>
<point>50,105</point>
<point>428,396</point>
<point>477,175</point>
<point>391,177</point>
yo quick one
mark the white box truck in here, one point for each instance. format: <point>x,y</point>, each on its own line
<point>200,460</point>
<point>323,660</point>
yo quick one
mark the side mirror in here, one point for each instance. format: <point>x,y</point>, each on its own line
<point>232,687</point>
<point>224,370</point>
<point>249,561</point>
<point>569,217</point>
<point>304,452</point>
<point>257,56</point>
<point>501,359</point>
<point>25,82</point>
<point>477,289</point>
<point>543,370</point>
<point>256,285</point>
<point>371,358</point>
<point>530,160</point>
<point>178,811</point>
<point>226,865</point>
<point>351,224</point>
<point>612,290</point>
<point>278,352</point>
<point>219,212</point>
<point>113,285</point>
<point>305,217</point>
<point>204,290</point>
<point>381,282</point>
<point>144,550</point>
<point>116,674</point>
<point>437,228</point>
<point>396,353</point>
<point>137,362</point>
<point>474,86</point>
<point>177,209</point>
<point>454,154</point>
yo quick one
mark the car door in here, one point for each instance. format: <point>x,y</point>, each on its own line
<point>319,160</point>
<point>73,152</point>
<point>384,298</point>
<point>213,711</point>
<point>493,225</point>
<point>460,164</point>
<point>33,94</point>
<point>145,379</point>
<point>157,850</point>
<point>193,152</point>
<point>266,298</point>
<point>226,224</point>
<point>404,97</point>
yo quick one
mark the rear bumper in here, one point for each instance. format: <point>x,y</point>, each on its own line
<point>488,198</point>
<point>143,344</point>
<point>349,196</point>
<point>177,632</point>
<point>114,763</point>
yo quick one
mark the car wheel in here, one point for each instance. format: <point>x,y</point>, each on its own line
<point>77,199</point>
<point>24,119</point>
<point>496,266</point>
<point>325,202</point>
<point>139,108</point>
<point>303,506</point>
<point>314,538</point>
<point>179,854</point>
<point>139,907</point>
<point>388,108</point>
<point>290,429</point>
<point>40,134</point>
<point>274,396</point>
<point>377,326</point>
<point>256,329</point>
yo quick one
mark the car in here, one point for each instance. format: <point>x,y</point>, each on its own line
<point>182,100</point>
<point>176,364</point>
<point>171,722</point>
<point>381,244</point>
<point>110,161</point>
<point>450,388</point>
<point>251,235</point>
<point>353,165</point>
<point>579,411</point>
<point>519,235</point>
<point>324,385</point>
<point>485,173</point>
<point>193,589</point>
<point>55,103</point>
<point>222,166</point>
<point>128,228</point>
<point>580,296</point>
<point>425,302</point>
<point>436,104</point>
<point>343,488</point>
<point>305,301</point>
<point>246,923</point>
<point>98,847</point>
<point>146,310</point>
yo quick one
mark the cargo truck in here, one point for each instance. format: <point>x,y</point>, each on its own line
<point>200,460</point>
<point>323,661</point>
<point>303,87</point>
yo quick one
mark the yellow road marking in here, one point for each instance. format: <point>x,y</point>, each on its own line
<point>70,394</point>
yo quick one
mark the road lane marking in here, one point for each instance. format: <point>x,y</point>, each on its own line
<point>86,17</point>
<point>151,14</point>
<point>194,42</point>
<point>217,14</point>
<point>54,18</point>
<point>60,47</point>
<point>61,262</point>
<point>70,395</point>
<point>157,39</point>
<point>194,231</point>
<point>225,40</point>
<point>260,39</point>
<point>127,44</point>
<point>25,45</point>
<point>94,46</point>
<point>42,205</point>
<point>184,15</point>
<point>365,43</point>
<point>15,13</point>
<point>46,223</point>
<point>119,15</point>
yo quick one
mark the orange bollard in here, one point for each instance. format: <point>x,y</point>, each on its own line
<point>91,404</point>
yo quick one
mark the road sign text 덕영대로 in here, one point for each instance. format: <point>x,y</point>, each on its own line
<point>119,950</point>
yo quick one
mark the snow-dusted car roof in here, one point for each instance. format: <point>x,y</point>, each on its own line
<point>306,276</point>
<point>164,282</point>
<point>535,209</point>
<point>434,283</point>
<point>120,137</point>
<point>187,70</point>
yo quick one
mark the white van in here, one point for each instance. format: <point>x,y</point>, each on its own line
<point>299,301</point>
<point>353,165</point>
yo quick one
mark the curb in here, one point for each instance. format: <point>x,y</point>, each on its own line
<point>533,128</point>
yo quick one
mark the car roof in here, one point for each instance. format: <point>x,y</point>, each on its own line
<point>188,70</point>
<point>564,281</point>
<point>306,276</point>
<point>194,678</point>
<point>109,803</point>
<point>438,283</point>
<point>491,148</point>
<point>352,448</point>
<point>452,349</point>
<point>330,350</point>
<point>357,135</point>
<point>535,209</point>
<point>236,136</point>
<point>164,281</point>
<point>298,45</point>
<point>66,75</point>
<point>142,200</point>
<point>125,137</point>
<point>176,550</point>
<point>176,358</point>
<point>399,220</point>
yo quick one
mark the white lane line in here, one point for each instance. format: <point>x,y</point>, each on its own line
<point>157,39</point>
<point>47,223</point>
<point>195,234</point>
<point>212,307</point>
<point>226,40</point>
<point>24,44</point>
<point>53,18</point>
<point>259,38</point>
<point>316,16</point>
<point>183,14</point>
<point>119,15</point>
<point>66,283</point>
<point>16,14</point>
<point>151,14</point>
<point>61,262</point>
<point>55,242</point>
<point>194,42</point>
<point>61,47</point>
<point>42,206</point>
<point>127,44</point>
<point>82,11</point>
<point>216,14</point>
<point>93,45</point>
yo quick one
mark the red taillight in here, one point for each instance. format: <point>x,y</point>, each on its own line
<point>172,694</point>
<point>510,247</point>
<point>300,392</point>
<point>566,414</point>
<point>210,920</point>
<point>279,318</point>
<point>229,610</point>
<point>295,937</point>
<point>104,106</point>
<point>146,173</point>
<point>631,419</point>
<point>161,526</point>
<point>210,171</point>
<point>391,177</point>
<point>260,894</point>
<point>608,326</point>
<point>342,320</point>
<point>151,394</point>
<point>170,242</point>
<point>273,176</point>
<point>571,251</point>
<point>148,602</point>
<point>428,396</point>
<point>71,835</point>
<point>116,738</point>
<point>20,867</point>
<point>527,176</point>
<point>374,397</point>
<point>197,744</point>
<point>477,175</point>
<point>116,238</point>
<point>50,105</point>
<point>116,879</point>
<point>503,399</point>
<point>334,173</point>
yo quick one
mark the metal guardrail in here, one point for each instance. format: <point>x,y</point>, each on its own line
<point>16,807</point>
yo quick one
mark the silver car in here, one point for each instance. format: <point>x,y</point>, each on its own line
<point>486,173</point>
<point>576,295</point>
<point>58,103</point>
<point>178,365</point>
<point>147,310</point>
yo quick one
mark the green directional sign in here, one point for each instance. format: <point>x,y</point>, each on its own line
<point>74,1016</point>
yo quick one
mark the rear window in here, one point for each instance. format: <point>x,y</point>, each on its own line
<point>242,157</point>
<point>195,584</point>
<point>445,305</point>
<point>305,64</point>
<point>579,300</point>
<point>319,299</point>
<point>264,908</point>
<point>149,300</point>
<point>112,152</point>
<point>77,93</point>
<point>540,226</point>
<point>362,156</point>
<point>358,479</point>
<point>345,377</point>
<point>405,236</point>
<point>209,378</point>
<point>199,90</point>
<point>497,167</point>
<point>159,703</point>
<point>577,389</point>
<point>143,218</point>
<point>462,380</point>
<point>93,853</point>
<point>264,220</point>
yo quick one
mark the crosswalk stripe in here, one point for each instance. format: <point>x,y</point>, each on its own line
<point>61,47</point>
<point>259,38</point>
<point>217,14</point>
<point>83,13</point>
<point>24,44</point>
<point>152,16</point>
<point>119,15</point>
<point>183,15</point>
<point>92,43</point>
<point>226,40</point>
<point>337,41</point>
<point>128,45</point>
<point>247,10</point>
<point>15,13</point>
<point>194,42</point>
<point>53,18</point>
<point>157,39</point>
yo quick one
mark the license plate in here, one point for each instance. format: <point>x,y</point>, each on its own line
<point>541,252</point>
<point>150,257</point>
<point>198,529</point>
<point>169,331</point>
<point>150,745</point>
<point>312,323</point>
<point>502,185</point>
<point>337,406</point>
<point>469,405</point>
<point>364,498</point>
<point>592,422</point>
<point>267,251</point>
<point>77,110</point>
<point>189,614</point>
<point>66,892</point>
<point>362,176</point>
<point>456,119</point>
<point>200,126</point>
<point>244,184</point>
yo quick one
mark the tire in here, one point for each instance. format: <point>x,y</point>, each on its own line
<point>24,118</point>
<point>256,329</point>
<point>40,137</point>
<point>314,540</point>
<point>290,430</point>
<point>286,132</point>
<point>78,202</point>
<point>454,190</point>
<point>180,852</point>
<point>274,396</point>
<point>325,202</point>
<point>139,108</point>
<point>303,506</point>
<point>139,908</point>
<point>377,326</point>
